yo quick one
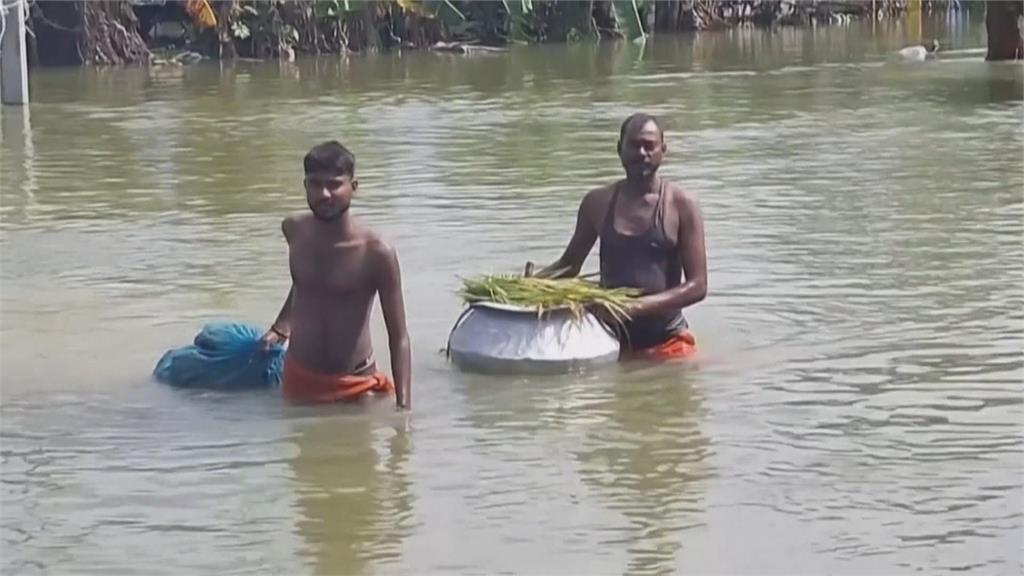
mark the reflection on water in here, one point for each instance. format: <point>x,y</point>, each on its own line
<point>855,407</point>
<point>644,454</point>
<point>348,468</point>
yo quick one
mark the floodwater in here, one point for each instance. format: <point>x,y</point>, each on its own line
<point>856,406</point>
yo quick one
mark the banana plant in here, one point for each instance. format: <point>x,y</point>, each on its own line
<point>518,14</point>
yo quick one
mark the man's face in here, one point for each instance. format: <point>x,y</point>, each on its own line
<point>641,151</point>
<point>329,195</point>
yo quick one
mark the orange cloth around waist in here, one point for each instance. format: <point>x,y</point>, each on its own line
<point>681,345</point>
<point>300,385</point>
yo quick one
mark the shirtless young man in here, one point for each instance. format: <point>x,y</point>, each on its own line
<point>338,266</point>
<point>652,239</point>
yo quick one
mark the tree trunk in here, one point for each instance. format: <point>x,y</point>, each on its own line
<point>1003,28</point>
<point>227,12</point>
<point>665,15</point>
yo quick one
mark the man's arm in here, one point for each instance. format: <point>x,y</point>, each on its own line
<point>393,306</point>
<point>282,325</point>
<point>583,239</point>
<point>693,259</point>
<point>281,329</point>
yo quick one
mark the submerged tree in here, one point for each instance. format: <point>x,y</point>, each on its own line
<point>110,31</point>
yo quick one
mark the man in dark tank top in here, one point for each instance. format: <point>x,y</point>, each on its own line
<point>652,239</point>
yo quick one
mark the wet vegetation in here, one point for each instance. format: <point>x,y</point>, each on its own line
<point>183,31</point>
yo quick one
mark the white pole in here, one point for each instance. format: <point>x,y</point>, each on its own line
<point>13,56</point>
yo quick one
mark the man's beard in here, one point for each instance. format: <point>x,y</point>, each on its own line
<point>641,171</point>
<point>330,214</point>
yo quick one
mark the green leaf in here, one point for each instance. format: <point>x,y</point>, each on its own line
<point>517,11</point>
<point>518,6</point>
<point>326,9</point>
<point>354,5</point>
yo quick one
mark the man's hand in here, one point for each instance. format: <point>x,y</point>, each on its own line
<point>637,306</point>
<point>277,335</point>
<point>271,338</point>
<point>392,304</point>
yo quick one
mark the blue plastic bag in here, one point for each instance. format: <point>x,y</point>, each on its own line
<point>223,356</point>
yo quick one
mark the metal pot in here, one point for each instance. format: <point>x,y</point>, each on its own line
<point>496,338</point>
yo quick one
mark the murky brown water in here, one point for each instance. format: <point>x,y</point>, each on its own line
<point>856,406</point>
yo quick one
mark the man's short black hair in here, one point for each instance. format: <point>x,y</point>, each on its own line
<point>330,157</point>
<point>638,121</point>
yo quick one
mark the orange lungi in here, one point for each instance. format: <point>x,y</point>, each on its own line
<point>300,385</point>
<point>681,345</point>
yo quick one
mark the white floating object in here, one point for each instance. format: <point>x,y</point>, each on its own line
<point>914,53</point>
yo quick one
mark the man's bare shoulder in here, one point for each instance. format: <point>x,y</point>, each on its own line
<point>684,202</point>
<point>294,222</point>
<point>377,246</point>
<point>381,256</point>
<point>601,193</point>
<point>598,198</point>
<point>683,198</point>
<point>299,217</point>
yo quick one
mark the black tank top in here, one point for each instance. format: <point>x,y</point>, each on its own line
<point>647,261</point>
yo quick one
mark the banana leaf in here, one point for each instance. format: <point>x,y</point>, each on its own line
<point>354,5</point>
<point>517,11</point>
<point>201,13</point>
